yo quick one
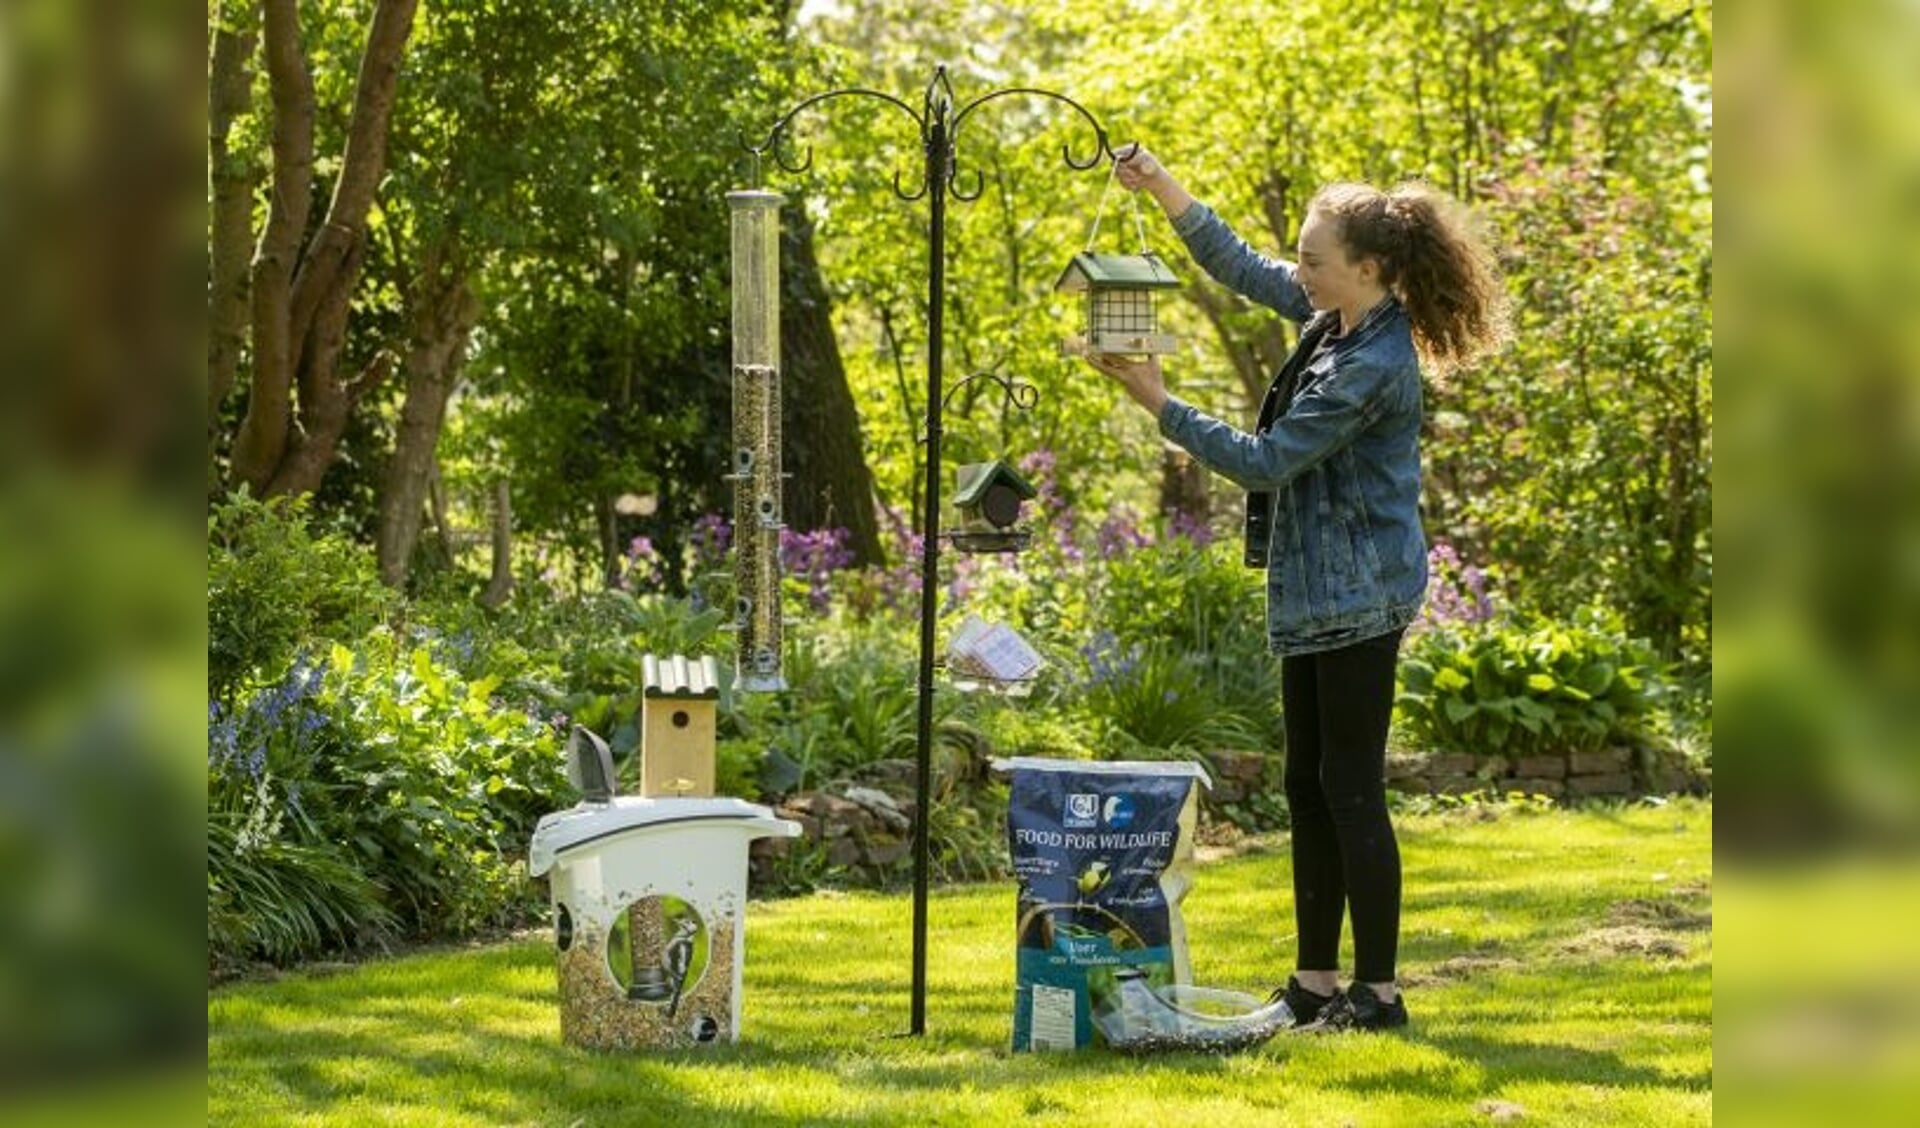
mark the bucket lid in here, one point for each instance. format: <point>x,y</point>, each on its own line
<point>576,827</point>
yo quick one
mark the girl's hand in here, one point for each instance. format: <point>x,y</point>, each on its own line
<point>1140,377</point>
<point>1135,167</point>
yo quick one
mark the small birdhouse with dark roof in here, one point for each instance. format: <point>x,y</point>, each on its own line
<point>988,498</point>
<point>1119,314</point>
<point>678,697</point>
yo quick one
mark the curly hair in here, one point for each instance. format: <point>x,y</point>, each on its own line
<point>1433,259</point>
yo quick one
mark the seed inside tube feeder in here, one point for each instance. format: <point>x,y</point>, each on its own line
<point>756,440</point>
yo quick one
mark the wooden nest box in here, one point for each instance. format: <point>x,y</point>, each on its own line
<point>677,704</point>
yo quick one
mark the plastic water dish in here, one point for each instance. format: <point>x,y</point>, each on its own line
<point>1177,1018</point>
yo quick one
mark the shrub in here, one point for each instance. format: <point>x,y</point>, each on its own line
<point>375,793</point>
<point>436,785</point>
<point>1144,698</point>
<point>275,586</point>
<point>1205,616</point>
<point>852,700</point>
<point>281,900</point>
<point>1503,689</point>
<point>576,660</point>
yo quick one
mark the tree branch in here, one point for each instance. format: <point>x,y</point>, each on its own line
<point>263,433</point>
<point>362,164</point>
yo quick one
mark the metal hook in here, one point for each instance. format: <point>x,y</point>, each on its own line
<point>958,193</point>
<point>903,193</point>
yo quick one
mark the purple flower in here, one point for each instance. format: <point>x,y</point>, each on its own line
<point>963,582</point>
<point>286,713</point>
<point>712,535</point>
<point>1107,661</point>
<point>1456,592</point>
<point>1192,528</point>
<point>1119,535</point>
<point>1039,469</point>
<point>644,568</point>
<point>815,556</point>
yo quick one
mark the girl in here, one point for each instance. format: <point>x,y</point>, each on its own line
<point>1385,280</point>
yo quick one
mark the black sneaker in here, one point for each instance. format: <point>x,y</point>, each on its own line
<point>1361,1009</point>
<point>1303,1006</point>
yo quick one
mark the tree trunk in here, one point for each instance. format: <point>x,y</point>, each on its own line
<point>500,584</point>
<point>606,523</point>
<point>831,484</point>
<point>302,297</point>
<point>441,320</point>
<point>1184,488</point>
<point>234,178</point>
<point>437,509</point>
<point>262,438</point>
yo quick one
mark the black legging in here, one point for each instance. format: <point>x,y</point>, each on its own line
<point>1338,704</point>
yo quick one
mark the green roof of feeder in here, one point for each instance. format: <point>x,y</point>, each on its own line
<point>974,479</point>
<point>1115,272</point>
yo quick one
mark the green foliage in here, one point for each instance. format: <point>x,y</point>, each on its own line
<point>1148,698</point>
<point>576,660</point>
<point>803,868</point>
<point>967,836</point>
<point>371,795</point>
<point>276,585</point>
<point>1200,602</point>
<point>852,700</point>
<point>1496,689</point>
<point>1580,134</point>
<point>439,786</point>
<point>1039,727</point>
<point>1600,487</point>
<point>284,900</point>
<point>577,154</point>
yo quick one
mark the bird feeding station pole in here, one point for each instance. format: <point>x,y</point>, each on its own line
<point>938,123</point>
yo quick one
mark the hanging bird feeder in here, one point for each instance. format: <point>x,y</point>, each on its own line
<point>989,498</point>
<point>1119,314</point>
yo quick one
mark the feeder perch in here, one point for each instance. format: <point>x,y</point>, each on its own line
<point>988,497</point>
<point>1119,314</point>
<point>678,697</point>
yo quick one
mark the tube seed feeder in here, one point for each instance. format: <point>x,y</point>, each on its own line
<point>1119,314</point>
<point>756,440</point>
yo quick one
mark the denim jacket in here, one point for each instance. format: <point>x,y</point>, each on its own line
<point>1347,559</point>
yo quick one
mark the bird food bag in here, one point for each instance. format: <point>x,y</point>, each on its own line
<point>1103,853</point>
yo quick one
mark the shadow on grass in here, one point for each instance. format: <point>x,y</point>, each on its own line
<point>400,1052</point>
<point>1509,1061</point>
<point>475,1037</point>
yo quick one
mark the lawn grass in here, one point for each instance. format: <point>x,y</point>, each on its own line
<point>1559,968</point>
